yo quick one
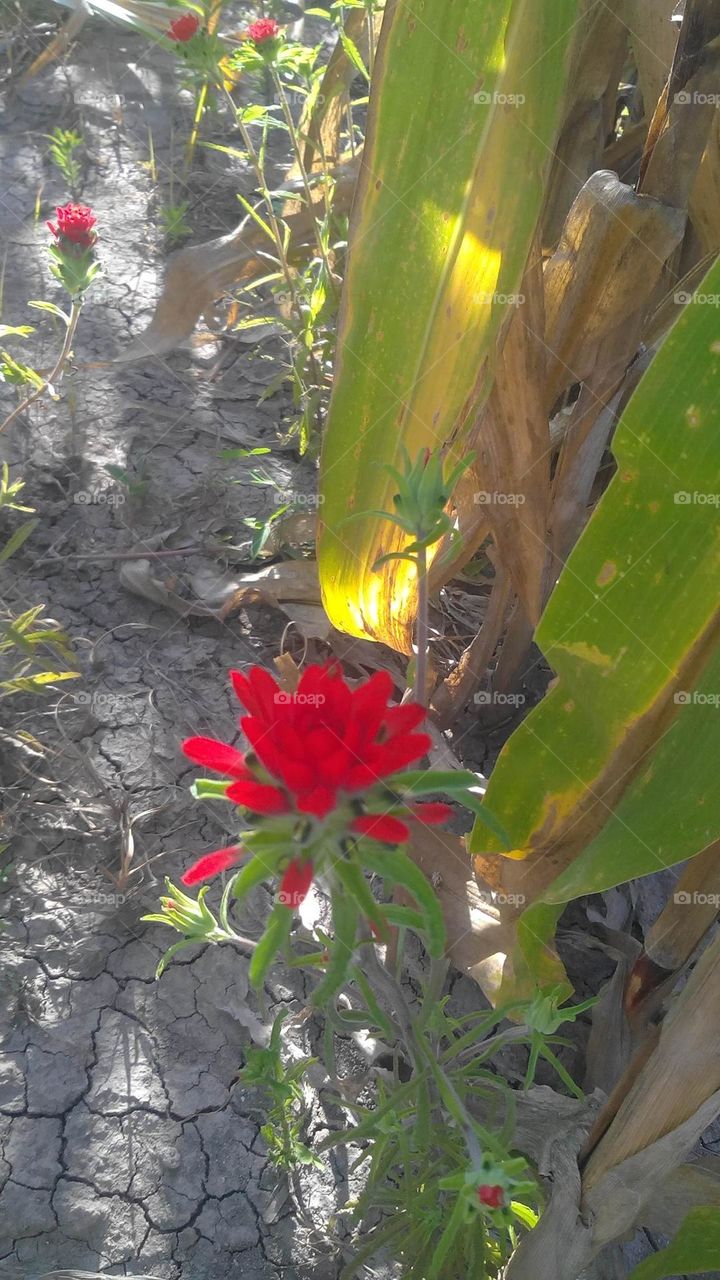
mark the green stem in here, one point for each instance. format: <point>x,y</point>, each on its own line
<point>297,150</point>
<point>56,372</point>
<point>194,132</point>
<point>371,40</point>
<point>272,216</point>
<point>421,629</point>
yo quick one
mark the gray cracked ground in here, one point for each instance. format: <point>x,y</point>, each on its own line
<point>127,1144</point>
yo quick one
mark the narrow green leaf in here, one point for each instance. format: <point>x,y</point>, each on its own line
<point>277,930</point>
<point>397,866</point>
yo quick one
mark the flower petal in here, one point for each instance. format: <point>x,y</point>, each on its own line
<point>216,755</point>
<point>434,812</point>
<point>383,827</point>
<point>317,802</point>
<point>403,719</point>
<point>295,883</point>
<point>211,864</point>
<point>258,798</point>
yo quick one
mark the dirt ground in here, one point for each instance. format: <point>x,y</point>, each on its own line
<point>126,1142</point>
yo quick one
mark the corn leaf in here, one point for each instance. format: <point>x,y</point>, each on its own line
<point>614,774</point>
<point>464,111</point>
<point>696,1248</point>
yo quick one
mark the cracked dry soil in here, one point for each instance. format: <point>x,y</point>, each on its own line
<point>127,1145</point>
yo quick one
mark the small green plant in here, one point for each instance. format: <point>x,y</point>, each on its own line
<point>282,1085</point>
<point>25,639</point>
<point>173,220</point>
<point>64,145</point>
<point>12,370</point>
<point>135,485</point>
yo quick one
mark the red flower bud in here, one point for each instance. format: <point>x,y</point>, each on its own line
<point>492,1197</point>
<point>383,827</point>
<point>183,28</point>
<point>263,29</point>
<point>75,223</point>
<point>211,864</point>
<point>433,812</point>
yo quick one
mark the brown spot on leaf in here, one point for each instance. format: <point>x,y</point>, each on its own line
<point>607,573</point>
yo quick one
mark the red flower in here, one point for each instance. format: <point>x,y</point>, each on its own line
<point>493,1197</point>
<point>390,830</point>
<point>326,741</point>
<point>295,883</point>
<point>183,28</point>
<point>211,864</point>
<point>382,827</point>
<point>315,751</point>
<point>262,29</point>
<point>75,223</point>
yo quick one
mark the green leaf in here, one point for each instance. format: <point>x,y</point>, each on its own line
<point>447,203</point>
<point>16,539</point>
<point>277,930</point>
<point>345,921</point>
<point>695,1248</point>
<point>614,774</point>
<point>209,789</point>
<point>397,866</point>
<point>14,371</point>
<point>353,53</point>
<point>257,870</point>
<point>54,311</point>
<point>17,331</point>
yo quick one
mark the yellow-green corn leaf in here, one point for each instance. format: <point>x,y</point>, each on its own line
<point>464,111</point>
<point>614,774</point>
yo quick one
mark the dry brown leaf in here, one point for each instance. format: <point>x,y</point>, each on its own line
<point>292,580</point>
<point>322,121</point>
<point>597,61</point>
<point>653,38</point>
<point>477,938</point>
<point>606,268</point>
<point>512,448</point>
<point>688,914</point>
<point>200,274</point>
<point>678,1079</point>
<point>142,577</point>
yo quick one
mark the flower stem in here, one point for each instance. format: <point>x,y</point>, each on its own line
<point>197,120</point>
<point>297,149</point>
<point>57,370</point>
<point>421,629</point>
<point>262,185</point>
